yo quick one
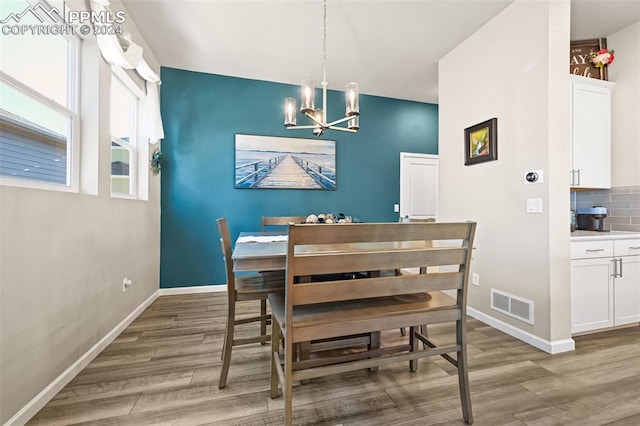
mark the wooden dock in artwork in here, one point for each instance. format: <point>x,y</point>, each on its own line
<point>287,172</point>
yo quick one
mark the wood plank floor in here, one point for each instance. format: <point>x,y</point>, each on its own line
<point>163,370</point>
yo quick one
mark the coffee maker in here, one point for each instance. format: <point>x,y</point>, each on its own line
<point>592,218</point>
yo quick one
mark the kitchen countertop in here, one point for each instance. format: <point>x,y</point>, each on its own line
<point>612,235</point>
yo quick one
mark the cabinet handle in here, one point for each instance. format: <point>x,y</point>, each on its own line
<point>593,250</point>
<point>620,268</point>
<point>578,171</point>
<point>634,247</point>
<point>615,268</point>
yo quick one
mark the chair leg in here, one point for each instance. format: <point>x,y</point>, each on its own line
<point>287,386</point>
<point>275,351</point>
<point>425,333</point>
<point>374,343</point>
<point>263,322</point>
<point>463,373</point>
<point>224,342</point>
<point>413,342</point>
<point>303,353</point>
<point>228,345</point>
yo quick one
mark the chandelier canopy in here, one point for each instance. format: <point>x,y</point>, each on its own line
<point>307,100</point>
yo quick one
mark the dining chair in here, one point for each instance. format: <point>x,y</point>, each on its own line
<point>243,288</point>
<point>280,221</point>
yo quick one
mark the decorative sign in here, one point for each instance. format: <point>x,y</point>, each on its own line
<point>579,63</point>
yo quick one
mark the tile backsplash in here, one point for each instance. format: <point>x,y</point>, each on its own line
<point>622,203</point>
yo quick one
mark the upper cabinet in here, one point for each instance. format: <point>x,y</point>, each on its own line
<point>590,132</point>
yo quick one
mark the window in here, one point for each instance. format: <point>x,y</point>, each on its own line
<point>38,100</point>
<point>125,99</point>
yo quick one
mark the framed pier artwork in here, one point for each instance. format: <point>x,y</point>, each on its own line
<point>284,163</point>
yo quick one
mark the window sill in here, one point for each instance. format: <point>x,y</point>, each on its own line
<point>32,184</point>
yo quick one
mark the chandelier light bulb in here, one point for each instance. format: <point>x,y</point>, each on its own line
<point>351,91</point>
<point>289,112</point>
<point>308,94</point>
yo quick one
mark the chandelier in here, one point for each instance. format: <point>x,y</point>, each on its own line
<point>307,98</point>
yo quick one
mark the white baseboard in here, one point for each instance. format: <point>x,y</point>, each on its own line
<point>40,400</point>
<point>192,290</point>
<point>552,347</point>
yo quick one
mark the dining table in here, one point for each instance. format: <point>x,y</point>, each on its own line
<point>260,251</point>
<point>267,250</point>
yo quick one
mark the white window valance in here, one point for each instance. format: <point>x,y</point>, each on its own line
<point>120,50</point>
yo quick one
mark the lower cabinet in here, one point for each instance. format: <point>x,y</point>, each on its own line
<point>605,286</point>
<point>592,296</point>
<point>627,291</point>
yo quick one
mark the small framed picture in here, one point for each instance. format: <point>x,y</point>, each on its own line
<point>481,142</point>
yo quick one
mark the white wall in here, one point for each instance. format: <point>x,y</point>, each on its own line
<point>513,68</point>
<point>64,257</point>
<point>625,115</point>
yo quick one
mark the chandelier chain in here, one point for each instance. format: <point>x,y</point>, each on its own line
<point>324,42</point>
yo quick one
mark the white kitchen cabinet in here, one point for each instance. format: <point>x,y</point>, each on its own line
<point>605,284</point>
<point>590,132</point>
<point>627,282</point>
<point>592,299</point>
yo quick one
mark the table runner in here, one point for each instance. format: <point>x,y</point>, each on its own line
<point>261,238</point>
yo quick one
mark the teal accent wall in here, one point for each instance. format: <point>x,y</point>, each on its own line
<point>203,112</point>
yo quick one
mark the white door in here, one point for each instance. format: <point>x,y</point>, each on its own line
<point>418,185</point>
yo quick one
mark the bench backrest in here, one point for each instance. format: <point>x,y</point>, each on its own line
<point>340,249</point>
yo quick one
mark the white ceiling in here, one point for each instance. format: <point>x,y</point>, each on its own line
<point>390,48</point>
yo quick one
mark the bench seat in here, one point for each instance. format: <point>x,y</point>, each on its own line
<point>318,321</point>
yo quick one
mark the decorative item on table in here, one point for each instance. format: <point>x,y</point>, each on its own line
<point>329,218</point>
<point>341,218</point>
<point>157,161</point>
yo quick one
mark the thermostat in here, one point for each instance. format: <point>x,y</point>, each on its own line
<point>534,176</point>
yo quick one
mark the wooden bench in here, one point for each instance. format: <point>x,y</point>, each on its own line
<point>334,309</point>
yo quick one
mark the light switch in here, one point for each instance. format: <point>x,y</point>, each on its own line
<point>396,208</point>
<point>534,205</point>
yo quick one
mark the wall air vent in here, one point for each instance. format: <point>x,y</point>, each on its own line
<point>511,305</point>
